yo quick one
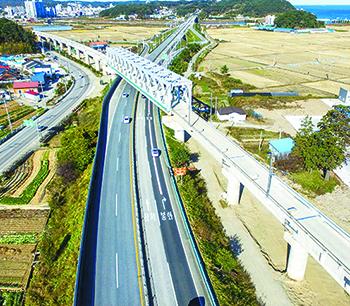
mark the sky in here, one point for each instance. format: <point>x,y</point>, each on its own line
<point>319,2</point>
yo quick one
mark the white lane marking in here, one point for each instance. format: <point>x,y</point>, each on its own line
<point>163,202</point>
<point>172,284</point>
<point>116,270</point>
<point>119,136</point>
<point>147,204</point>
<point>117,163</point>
<point>126,101</point>
<point>116,204</point>
<point>154,160</point>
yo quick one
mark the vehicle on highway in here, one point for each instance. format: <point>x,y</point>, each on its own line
<point>41,128</point>
<point>55,57</point>
<point>143,97</point>
<point>125,95</point>
<point>127,120</point>
<point>155,152</point>
<point>80,76</point>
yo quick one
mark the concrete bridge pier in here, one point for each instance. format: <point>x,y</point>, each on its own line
<point>179,132</point>
<point>87,59</point>
<point>55,43</point>
<point>97,64</point>
<point>233,187</point>
<point>69,50</point>
<point>77,54</point>
<point>61,46</point>
<point>297,258</point>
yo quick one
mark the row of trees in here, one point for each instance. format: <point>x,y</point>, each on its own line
<point>228,8</point>
<point>324,149</point>
<point>14,39</point>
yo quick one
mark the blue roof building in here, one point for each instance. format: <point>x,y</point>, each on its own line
<point>40,77</point>
<point>280,148</point>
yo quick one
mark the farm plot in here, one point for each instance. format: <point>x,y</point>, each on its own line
<point>113,33</point>
<point>15,264</point>
<point>292,60</point>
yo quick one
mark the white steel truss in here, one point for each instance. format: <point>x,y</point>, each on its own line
<point>162,86</point>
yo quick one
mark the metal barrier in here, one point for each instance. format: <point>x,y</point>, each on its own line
<point>85,280</point>
<point>186,222</point>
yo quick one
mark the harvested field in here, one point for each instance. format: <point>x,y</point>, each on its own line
<point>15,264</point>
<point>113,33</point>
<point>281,61</point>
<point>20,221</point>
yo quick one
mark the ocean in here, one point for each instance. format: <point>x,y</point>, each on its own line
<point>327,11</point>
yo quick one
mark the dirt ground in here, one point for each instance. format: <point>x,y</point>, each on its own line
<point>305,63</point>
<point>251,221</point>
<point>113,33</point>
<point>40,198</point>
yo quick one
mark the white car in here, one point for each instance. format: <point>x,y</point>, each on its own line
<point>125,95</point>
<point>155,152</point>
<point>127,120</point>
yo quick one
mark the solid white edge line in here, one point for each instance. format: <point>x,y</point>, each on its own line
<point>119,137</point>
<point>116,270</point>
<point>117,163</point>
<point>116,204</point>
<point>172,284</point>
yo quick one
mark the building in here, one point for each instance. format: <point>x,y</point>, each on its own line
<point>281,148</point>
<point>40,77</point>
<point>21,87</point>
<point>36,9</point>
<point>344,96</point>
<point>32,95</point>
<point>45,68</point>
<point>270,20</point>
<point>99,45</point>
<point>230,113</point>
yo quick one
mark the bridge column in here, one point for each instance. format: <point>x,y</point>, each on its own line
<point>297,258</point>
<point>87,59</point>
<point>233,187</point>
<point>97,64</point>
<point>61,46</point>
<point>69,50</point>
<point>77,53</point>
<point>55,43</point>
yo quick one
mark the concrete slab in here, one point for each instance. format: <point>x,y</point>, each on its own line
<point>295,121</point>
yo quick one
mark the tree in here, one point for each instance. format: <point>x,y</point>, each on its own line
<point>76,148</point>
<point>338,121</point>
<point>297,19</point>
<point>323,149</point>
<point>224,69</point>
<point>303,146</point>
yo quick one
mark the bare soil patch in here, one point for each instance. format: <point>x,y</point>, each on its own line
<point>271,60</point>
<point>15,264</point>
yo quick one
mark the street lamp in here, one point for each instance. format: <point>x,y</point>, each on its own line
<point>270,174</point>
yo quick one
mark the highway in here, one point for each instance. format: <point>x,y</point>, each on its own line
<point>119,277</point>
<point>28,138</point>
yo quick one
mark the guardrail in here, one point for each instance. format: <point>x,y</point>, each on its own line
<point>289,219</point>
<point>85,280</point>
<point>186,222</point>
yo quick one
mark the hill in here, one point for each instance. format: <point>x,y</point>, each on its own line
<point>297,20</point>
<point>227,8</point>
<point>14,39</point>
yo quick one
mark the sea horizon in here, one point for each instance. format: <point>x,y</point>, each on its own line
<point>327,11</point>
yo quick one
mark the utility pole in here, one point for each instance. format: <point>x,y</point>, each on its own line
<point>211,106</point>
<point>8,115</point>
<point>270,175</point>
<point>216,104</point>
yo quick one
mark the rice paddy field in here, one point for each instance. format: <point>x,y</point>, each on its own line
<point>316,64</point>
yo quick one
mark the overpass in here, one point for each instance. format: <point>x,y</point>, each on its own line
<point>307,230</point>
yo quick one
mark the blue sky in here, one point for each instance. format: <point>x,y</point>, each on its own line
<point>319,2</point>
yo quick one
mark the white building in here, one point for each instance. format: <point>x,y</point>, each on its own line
<point>230,113</point>
<point>270,20</point>
<point>344,96</point>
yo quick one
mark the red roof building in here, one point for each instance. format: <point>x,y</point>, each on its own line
<point>21,87</point>
<point>99,44</point>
